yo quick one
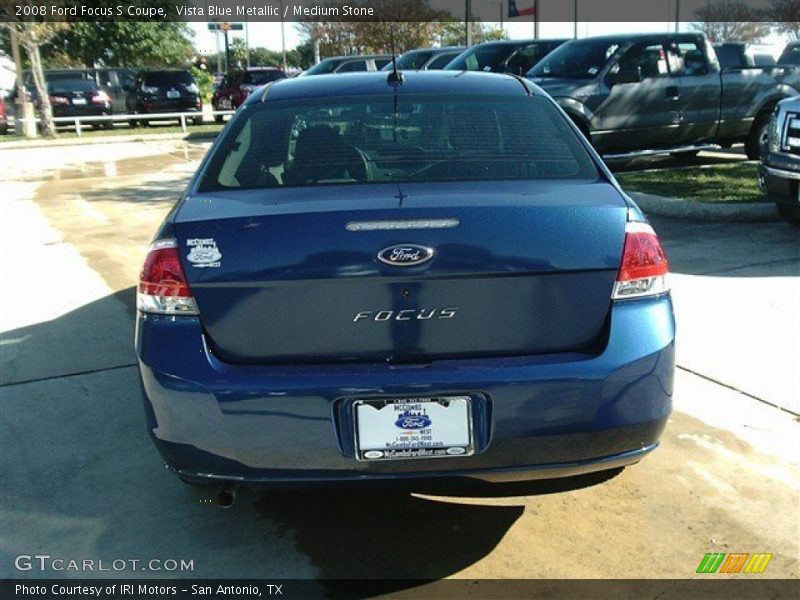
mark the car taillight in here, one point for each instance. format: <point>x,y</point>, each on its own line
<point>644,267</point>
<point>58,100</point>
<point>101,98</point>
<point>163,288</point>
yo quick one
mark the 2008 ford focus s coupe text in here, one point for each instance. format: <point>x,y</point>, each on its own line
<point>372,279</point>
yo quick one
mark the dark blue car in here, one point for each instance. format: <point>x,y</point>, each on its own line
<point>371,280</point>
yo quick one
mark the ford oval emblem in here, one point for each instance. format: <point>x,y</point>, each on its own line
<point>413,420</point>
<point>405,255</point>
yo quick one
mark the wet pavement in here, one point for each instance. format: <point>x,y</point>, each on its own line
<point>81,478</point>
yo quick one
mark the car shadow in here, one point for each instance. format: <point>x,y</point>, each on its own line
<point>392,537</point>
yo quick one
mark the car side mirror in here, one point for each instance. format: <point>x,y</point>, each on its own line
<point>629,75</point>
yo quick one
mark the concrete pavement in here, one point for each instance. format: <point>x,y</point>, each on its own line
<point>81,479</point>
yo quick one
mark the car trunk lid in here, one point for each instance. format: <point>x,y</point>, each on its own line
<point>293,274</point>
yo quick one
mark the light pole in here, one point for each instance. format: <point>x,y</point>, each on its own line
<point>247,41</point>
<point>467,30</point>
<point>283,38</point>
<point>575,25</point>
<point>219,54</point>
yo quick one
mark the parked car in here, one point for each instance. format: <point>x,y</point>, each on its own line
<point>237,85</point>
<point>78,98</point>
<point>515,56</point>
<point>361,285</point>
<point>424,59</point>
<point>348,64</point>
<point>743,55</point>
<point>790,55</point>
<point>110,80</point>
<point>3,117</point>
<point>779,171</point>
<point>164,91</point>
<point>661,92</point>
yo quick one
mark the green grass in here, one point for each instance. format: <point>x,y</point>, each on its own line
<point>124,129</point>
<point>714,184</point>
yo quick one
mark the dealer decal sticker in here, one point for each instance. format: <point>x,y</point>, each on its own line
<point>204,252</point>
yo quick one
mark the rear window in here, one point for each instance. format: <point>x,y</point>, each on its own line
<point>790,55</point>
<point>418,138</point>
<point>71,85</point>
<point>579,59</point>
<point>326,66</point>
<point>441,61</point>
<point>482,58</point>
<point>730,56</point>
<point>262,77</point>
<point>353,66</point>
<point>166,78</point>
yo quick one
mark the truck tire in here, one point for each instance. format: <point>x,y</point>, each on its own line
<point>789,212</point>
<point>752,145</point>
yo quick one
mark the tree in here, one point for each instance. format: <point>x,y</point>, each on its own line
<point>238,52</point>
<point>452,33</point>
<point>121,44</point>
<point>785,17</point>
<point>401,36</point>
<point>302,56</point>
<point>731,21</point>
<point>406,24</point>
<point>263,57</point>
<point>31,36</point>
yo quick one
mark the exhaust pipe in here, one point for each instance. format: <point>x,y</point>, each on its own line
<point>226,496</point>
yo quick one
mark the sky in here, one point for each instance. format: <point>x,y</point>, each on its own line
<point>268,35</point>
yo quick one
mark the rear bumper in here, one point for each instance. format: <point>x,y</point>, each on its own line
<point>535,417</point>
<point>82,111</point>
<point>168,106</point>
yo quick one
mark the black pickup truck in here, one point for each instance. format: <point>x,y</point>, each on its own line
<point>661,93</point>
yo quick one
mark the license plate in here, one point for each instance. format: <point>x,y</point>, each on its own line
<point>79,101</point>
<point>173,94</point>
<point>413,428</point>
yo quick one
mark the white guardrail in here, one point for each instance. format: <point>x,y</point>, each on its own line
<point>77,120</point>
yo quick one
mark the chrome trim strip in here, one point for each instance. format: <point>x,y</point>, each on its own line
<point>781,173</point>
<point>402,225</point>
<point>162,243</point>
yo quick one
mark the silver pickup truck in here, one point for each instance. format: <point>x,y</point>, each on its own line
<point>779,171</point>
<point>662,93</point>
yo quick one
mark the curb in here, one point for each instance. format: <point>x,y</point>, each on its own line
<point>752,212</point>
<point>111,139</point>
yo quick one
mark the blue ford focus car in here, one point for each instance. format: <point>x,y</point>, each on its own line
<point>372,280</point>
